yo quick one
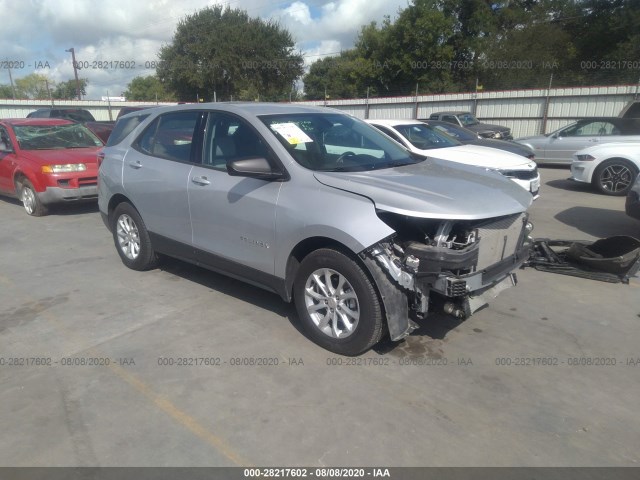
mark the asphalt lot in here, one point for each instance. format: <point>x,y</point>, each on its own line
<point>65,298</point>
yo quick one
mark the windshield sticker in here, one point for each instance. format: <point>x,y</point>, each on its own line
<point>291,133</point>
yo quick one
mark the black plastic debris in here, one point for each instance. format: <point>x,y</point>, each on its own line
<point>613,259</point>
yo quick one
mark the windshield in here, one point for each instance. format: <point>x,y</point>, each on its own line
<point>54,137</point>
<point>468,119</point>
<point>460,134</point>
<point>426,137</point>
<point>334,142</point>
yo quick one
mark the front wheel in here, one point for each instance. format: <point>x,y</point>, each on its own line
<point>614,176</point>
<point>337,303</point>
<point>132,239</point>
<point>29,197</point>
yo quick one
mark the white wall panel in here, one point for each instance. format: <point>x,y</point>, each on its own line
<point>521,110</point>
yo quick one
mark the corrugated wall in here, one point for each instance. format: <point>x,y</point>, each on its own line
<point>521,110</point>
<point>99,109</point>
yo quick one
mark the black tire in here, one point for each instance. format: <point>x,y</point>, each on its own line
<point>361,297</point>
<point>128,231</point>
<point>614,176</point>
<point>29,198</point>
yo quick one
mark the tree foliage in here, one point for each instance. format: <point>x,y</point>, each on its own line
<point>33,86</point>
<point>6,91</point>
<point>148,89</point>
<point>38,87</point>
<point>449,45</point>
<point>67,90</point>
<point>223,52</point>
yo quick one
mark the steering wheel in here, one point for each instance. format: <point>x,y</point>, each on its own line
<point>340,159</point>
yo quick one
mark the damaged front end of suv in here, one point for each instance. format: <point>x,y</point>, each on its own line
<point>449,237</point>
<point>458,265</point>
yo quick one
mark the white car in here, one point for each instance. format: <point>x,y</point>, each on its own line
<point>611,167</point>
<point>427,140</point>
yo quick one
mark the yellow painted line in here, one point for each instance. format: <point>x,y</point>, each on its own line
<point>160,401</point>
<point>181,417</point>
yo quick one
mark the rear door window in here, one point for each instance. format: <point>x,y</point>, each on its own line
<point>171,136</point>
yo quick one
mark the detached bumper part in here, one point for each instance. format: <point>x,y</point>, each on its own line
<point>614,259</point>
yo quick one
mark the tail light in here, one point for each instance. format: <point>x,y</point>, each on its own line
<point>100,158</point>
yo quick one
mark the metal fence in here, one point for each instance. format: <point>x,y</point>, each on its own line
<point>526,112</point>
<point>101,110</point>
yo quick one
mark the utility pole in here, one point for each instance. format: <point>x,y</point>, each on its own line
<point>545,113</point>
<point>366,106</point>
<point>75,71</point>
<point>46,82</point>
<point>109,107</point>
<point>13,89</point>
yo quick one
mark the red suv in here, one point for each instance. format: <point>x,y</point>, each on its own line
<point>45,161</point>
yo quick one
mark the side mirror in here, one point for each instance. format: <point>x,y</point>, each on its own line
<point>253,168</point>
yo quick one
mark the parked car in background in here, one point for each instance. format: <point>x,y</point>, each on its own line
<point>558,147</point>
<point>47,161</point>
<point>611,167</point>
<point>469,121</point>
<point>102,130</point>
<point>317,206</point>
<point>632,203</point>
<point>469,137</point>
<point>80,115</point>
<point>429,140</point>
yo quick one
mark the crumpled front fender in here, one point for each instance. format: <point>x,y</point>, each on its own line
<point>395,302</point>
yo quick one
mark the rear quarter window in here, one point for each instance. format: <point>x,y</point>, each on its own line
<point>123,127</point>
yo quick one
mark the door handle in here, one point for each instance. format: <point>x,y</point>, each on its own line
<point>201,180</point>
<point>135,164</point>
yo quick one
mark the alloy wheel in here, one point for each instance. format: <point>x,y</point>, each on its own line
<point>332,303</point>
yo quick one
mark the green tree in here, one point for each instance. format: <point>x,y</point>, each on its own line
<point>148,89</point>
<point>422,37</point>
<point>33,86</point>
<point>391,58</point>
<point>6,91</point>
<point>605,35</point>
<point>342,76</point>
<point>445,45</point>
<point>225,53</point>
<point>67,90</point>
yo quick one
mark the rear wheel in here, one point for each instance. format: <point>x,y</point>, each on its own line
<point>132,239</point>
<point>614,176</point>
<point>337,303</point>
<point>29,197</point>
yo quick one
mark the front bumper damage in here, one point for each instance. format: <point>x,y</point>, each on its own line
<point>466,273</point>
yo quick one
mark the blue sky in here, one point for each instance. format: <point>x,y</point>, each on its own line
<point>39,31</point>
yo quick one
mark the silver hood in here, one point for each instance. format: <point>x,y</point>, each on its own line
<point>434,189</point>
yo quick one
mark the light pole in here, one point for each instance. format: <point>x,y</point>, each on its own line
<point>75,71</point>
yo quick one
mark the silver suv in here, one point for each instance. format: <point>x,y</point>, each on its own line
<point>316,206</point>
